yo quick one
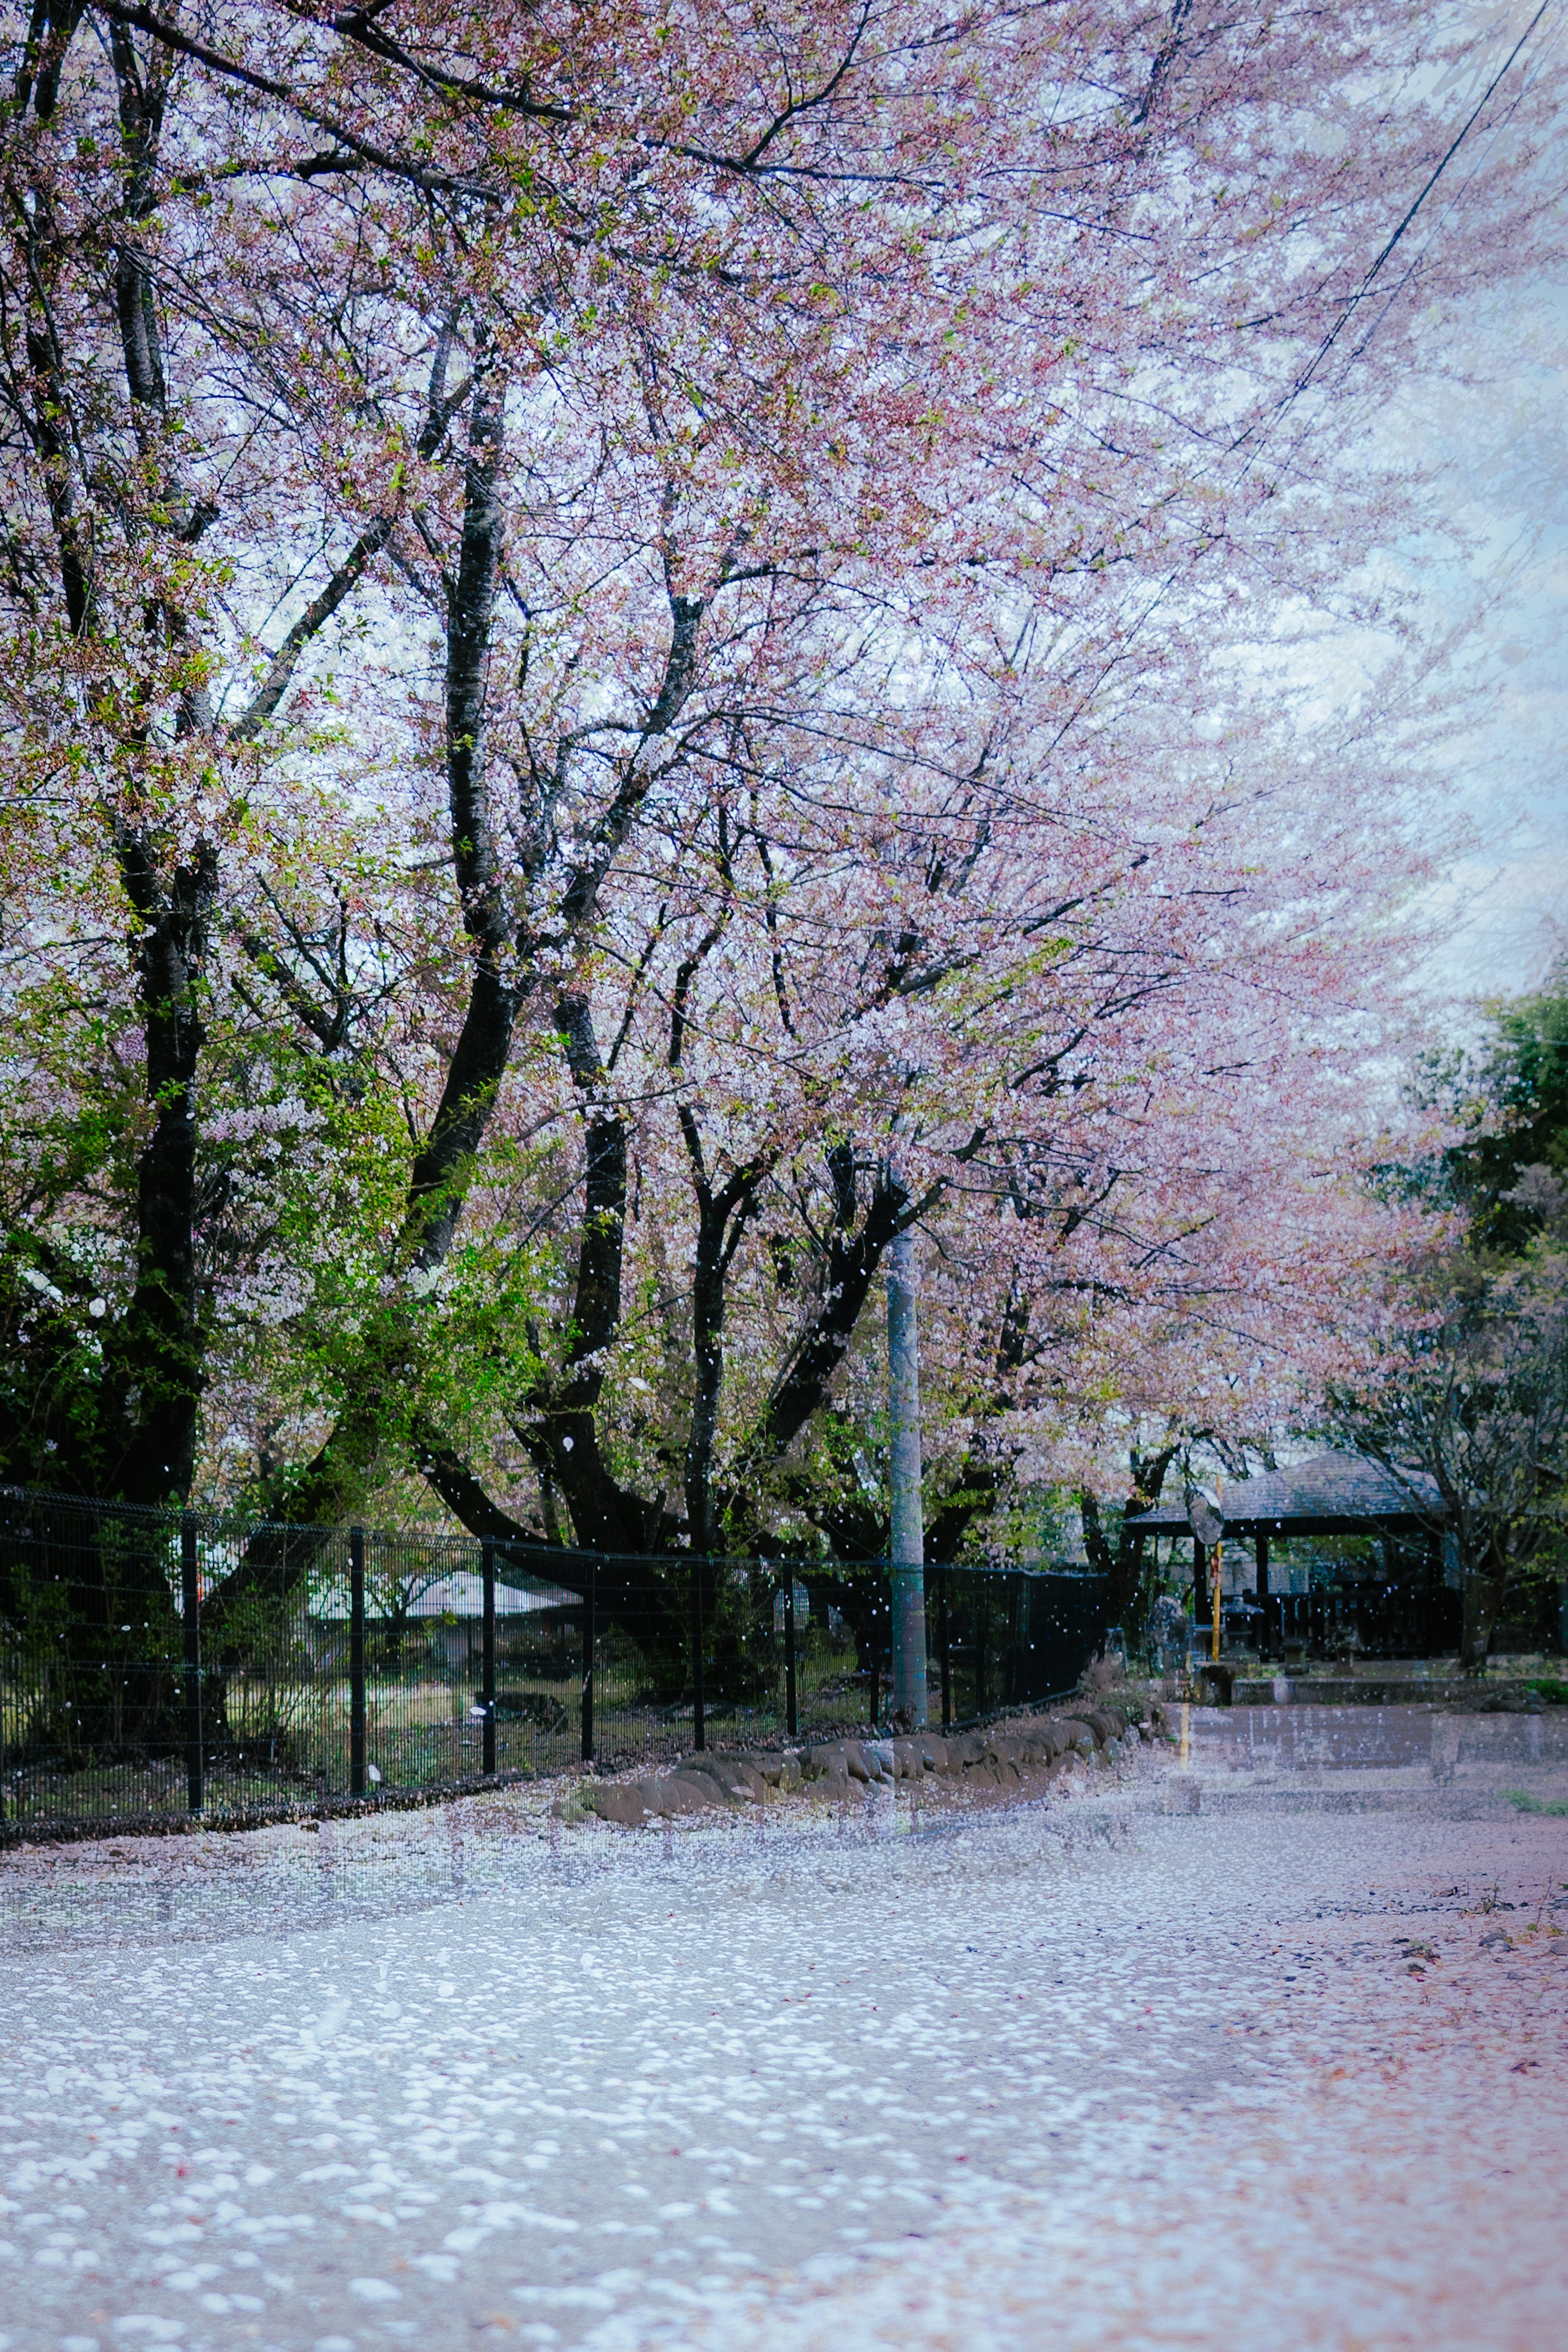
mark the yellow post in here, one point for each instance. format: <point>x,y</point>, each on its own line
<point>1184,1745</point>
<point>1215,1652</point>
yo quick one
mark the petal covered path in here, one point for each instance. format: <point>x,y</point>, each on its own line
<point>1088,2071</point>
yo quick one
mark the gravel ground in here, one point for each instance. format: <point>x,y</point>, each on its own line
<point>1085,2070</point>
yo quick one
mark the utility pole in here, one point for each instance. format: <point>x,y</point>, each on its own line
<point>908,1517</point>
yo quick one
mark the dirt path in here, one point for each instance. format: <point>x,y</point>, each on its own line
<point>1084,2071</point>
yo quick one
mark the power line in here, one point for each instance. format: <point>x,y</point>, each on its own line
<point>1365,288</point>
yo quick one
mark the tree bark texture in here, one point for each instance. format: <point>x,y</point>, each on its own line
<point>1122,1564</point>
<point>158,1343</point>
<point>438,1184</point>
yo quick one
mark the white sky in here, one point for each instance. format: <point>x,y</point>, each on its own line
<point>1504,449</point>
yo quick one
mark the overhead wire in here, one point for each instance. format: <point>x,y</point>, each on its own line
<point>1362,291</point>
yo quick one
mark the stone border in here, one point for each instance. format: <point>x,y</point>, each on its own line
<point>764,1765</point>
<point>996,1757</point>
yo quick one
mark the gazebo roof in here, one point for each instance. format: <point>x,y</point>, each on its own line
<point>1333,1494</point>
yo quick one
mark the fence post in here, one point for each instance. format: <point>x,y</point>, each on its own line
<point>356,1662</point>
<point>945,1652</point>
<point>190,1625</point>
<point>487,1695</point>
<point>791,1724</point>
<point>590,1636</point>
<point>699,1737</point>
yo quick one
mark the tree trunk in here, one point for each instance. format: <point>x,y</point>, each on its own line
<point>853,1260</point>
<point>157,1347</point>
<point>707,1337</point>
<point>1483,1600</point>
<point>1123,1565</point>
<point>377,1415</point>
<point>438,1184</point>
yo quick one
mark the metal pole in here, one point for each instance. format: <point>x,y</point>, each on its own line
<point>908,1597</point>
<point>589,1635</point>
<point>790,1723</point>
<point>699,1736</point>
<point>191,1624</point>
<point>488,1694</point>
<point>356,1662</point>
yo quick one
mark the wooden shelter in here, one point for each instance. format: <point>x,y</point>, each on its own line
<point>1331,1494</point>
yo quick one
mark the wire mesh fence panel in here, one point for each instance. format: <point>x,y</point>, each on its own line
<point>734,1606</point>
<point>646,1693</point>
<point>843,1661</point>
<point>541,1632</point>
<point>1006,1638</point>
<point>92,1661</point>
<point>154,1664</point>
<point>598,1664</point>
<point>813,1643</point>
<point>419,1598</point>
<point>995,1639</point>
<point>273,1665</point>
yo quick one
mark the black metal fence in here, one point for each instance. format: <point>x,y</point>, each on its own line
<point>160,1664</point>
<point>1381,1621</point>
<point>1373,1619</point>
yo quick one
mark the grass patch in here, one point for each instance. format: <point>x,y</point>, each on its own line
<point>1523,1803</point>
<point>1555,1693</point>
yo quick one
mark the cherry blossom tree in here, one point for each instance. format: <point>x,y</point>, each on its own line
<point>502,502</point>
